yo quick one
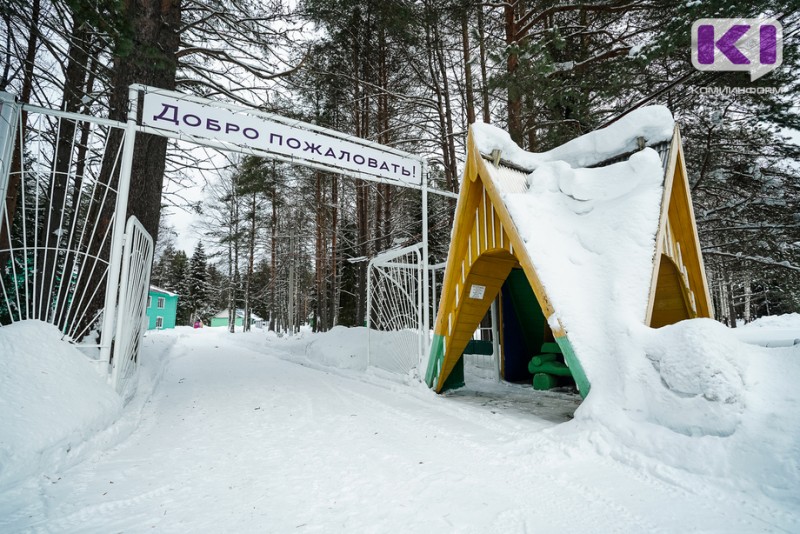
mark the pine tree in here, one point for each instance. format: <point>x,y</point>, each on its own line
<point>178,282</point>
<point>197,285</point>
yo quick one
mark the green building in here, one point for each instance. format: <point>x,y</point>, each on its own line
<point>221,319</point>
<point>162,306</point>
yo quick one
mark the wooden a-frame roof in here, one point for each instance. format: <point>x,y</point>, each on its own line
<point>487,243</point>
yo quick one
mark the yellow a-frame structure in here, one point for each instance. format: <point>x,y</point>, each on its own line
<point>487,254</point>
<point>679,288</point>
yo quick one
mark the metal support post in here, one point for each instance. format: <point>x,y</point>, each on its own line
<point>426,320</point>
<point>9,115</point>
<point>118,237</point>
<point>496,338</point>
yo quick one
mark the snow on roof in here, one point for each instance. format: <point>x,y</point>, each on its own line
<point>239,313</point>
<point>253,316</point>
<point>653,123</point>
<point>589,232</point>
<point>156,289</point>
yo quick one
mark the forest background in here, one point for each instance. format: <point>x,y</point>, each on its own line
<point>412,74</point>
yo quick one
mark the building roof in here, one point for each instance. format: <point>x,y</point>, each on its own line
<point>239,313</point>
<point>156,289</point>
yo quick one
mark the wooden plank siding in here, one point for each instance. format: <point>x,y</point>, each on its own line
<point>672,304</point>
<point>677,242</point>
<point>484,248</point>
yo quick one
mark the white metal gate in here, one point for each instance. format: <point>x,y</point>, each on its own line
<point>395,320</point>
<point>64,180</point>
<point>137,259</point>
<point>58,219</point>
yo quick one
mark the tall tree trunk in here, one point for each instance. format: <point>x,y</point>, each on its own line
<point>251,254</point>
<point>484,81</point>
<point>4,79</point>
<point>730,303</point>
<point>387,216</point>
<point>440,89</point>
<point>319,259</point>
<point>467,65</point>
<point>54,231</point>
<point>748,299</point>
<point>384,207</point>
<point>233,255</point>
<point>273,276</point>
<point>15,177</point>
<point>377,231</point>
<point>83,144</point>
<point>448,111</point>
<point>151,61</point>
<point>333,314</point>
<point>514,99</point>
<point>362,207</point>
<point>361,111</point>
<point>382,131</point>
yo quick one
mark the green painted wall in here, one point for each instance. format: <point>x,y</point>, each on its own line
<point>223,321</point>
<point>167,313</point>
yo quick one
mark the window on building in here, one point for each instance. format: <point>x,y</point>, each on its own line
<point>160,303</point>
<point>149,301</point>
<point>160,321</point>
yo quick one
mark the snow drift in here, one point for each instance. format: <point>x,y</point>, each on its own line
<point>51,400</point>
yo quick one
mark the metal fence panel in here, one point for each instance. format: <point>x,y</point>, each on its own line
<point>135,284</point>
<point>57,218</point>
<point>394,310</point>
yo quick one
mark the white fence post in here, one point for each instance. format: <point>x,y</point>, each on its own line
<point>9,115</point>
<point>118,238</point>
<point>426,321</point>
<point>496,338</point>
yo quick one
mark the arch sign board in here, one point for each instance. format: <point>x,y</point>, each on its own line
<point>209,122</point>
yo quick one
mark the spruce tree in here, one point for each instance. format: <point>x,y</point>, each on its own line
<point>178,282</point>
<point>197,285</point>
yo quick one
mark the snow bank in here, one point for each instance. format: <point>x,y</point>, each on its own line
<point>697,400</point>
<point>654,123</point>
<point>51,400</point>
<point>341,348</point>
<point>772,331</point>
<point>394,354</point>
<point>56,406</point>
<point>789,321</point>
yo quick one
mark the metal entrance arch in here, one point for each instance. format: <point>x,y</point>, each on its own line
<point>202,122</point>
<point>249,131</point>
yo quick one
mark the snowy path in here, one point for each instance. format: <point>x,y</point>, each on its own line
<point>234,440</point>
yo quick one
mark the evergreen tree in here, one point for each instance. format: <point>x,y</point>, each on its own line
<point>162,265</point>
<point>178,282</point>
<point>197,285</point>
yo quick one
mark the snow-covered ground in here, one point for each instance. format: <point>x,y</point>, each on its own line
<point>252,433</point>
